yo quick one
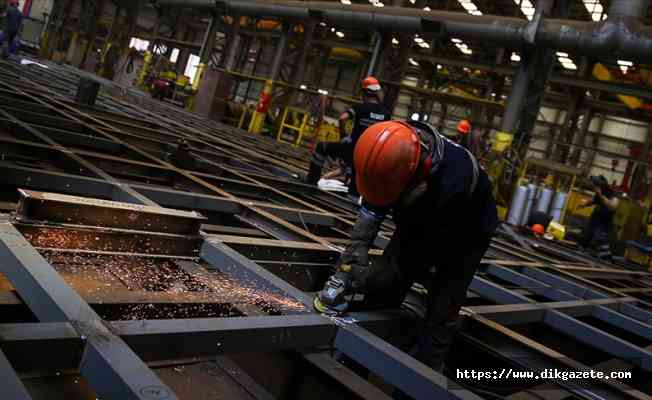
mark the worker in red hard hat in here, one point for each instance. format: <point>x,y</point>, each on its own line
<point>13,24</point>
<point>363,116</point>
<point>445,216</point>
<point>464,133</point>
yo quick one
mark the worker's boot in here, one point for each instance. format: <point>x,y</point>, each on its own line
<point>332,299</point>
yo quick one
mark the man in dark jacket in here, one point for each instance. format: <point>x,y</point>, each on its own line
<point>362,116</point>
<point>445,216</point>
<point>596,234</point>
<point>13,23</point>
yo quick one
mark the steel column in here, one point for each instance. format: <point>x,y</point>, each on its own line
<point>279,55</point>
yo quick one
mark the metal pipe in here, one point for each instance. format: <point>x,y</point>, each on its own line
<point>516,99</point>
<point>375,56</point>
<point>629,8</point>
<point>280,54</point>
<point>622,35</point>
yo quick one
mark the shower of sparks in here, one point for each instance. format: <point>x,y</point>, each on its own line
<point>152,274</point>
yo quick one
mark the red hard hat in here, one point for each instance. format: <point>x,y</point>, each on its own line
<point>538,229</point>
<point>371,84</point>
<point>464,127</point>
<point>386,158</point>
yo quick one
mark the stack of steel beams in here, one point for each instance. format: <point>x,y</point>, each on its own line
<point>211,268</point>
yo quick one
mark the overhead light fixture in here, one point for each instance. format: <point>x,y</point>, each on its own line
<point>415,117</point>
<point>526,8</point>
<point>424,45</point>
<point>333,29</point>
<point>426,8</point>
<point>439,66</point>
<point>303,87</point>
<point>418,39</point>
<point>394,41</point>
<point>625,65</point>
<point>462,46</point>
<point>339,34</point>
<point>470,7</point>
<point>595,9</point>
<point>322,91</point>
<point>346,2</point>
<point>515,57</point>
<point>466,51</point>
<point>413,62</point>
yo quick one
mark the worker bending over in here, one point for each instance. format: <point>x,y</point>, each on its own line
<point>444,214</point>
<point>596,235</point>
<point>362,115</point>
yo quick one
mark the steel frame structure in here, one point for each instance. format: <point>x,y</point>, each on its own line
<point>267,231</point>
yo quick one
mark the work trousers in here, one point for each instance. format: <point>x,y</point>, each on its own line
<point>10,38</point>
<point>596,234</point>
<point>445,269</point>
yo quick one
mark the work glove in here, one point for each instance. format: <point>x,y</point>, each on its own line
<point>355,259</point>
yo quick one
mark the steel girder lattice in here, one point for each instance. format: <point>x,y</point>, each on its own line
<point>531,306</point>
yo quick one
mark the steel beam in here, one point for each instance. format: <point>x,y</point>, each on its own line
<point>396,367</point>
<point>604,314</point>
<point>11,387</point>
<point>533,356</point>
<point>557,320</point>
<point>523,313</point>
<point>110,366</point>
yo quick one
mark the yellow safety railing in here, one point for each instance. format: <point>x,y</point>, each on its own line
<point>247,110</point>
<point>298,123</point>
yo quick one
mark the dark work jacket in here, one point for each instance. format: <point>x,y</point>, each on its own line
<point>13,20</point>
<point>446,212</point>
<point>602,217</point>
<point>364,115</point>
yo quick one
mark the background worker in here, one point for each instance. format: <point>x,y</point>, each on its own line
<point>596,235</point>
<point>13,23</point>
<point>445,216</point>
<point>363,116</point>
<point>464,133</point>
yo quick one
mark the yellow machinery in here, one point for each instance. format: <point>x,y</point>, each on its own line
<point>294,120</point>
<point>328,133</point>
<point>629,219</point>
<point>604,74</point>
<point>144,69</point>
<point>496,164</point>
<point>258,117</point>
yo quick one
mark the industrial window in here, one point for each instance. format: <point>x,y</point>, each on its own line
<point>191,67</point>
<point>174,56</point>
<point>139,44</point>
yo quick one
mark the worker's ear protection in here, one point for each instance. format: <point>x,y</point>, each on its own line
<point>426,147</point>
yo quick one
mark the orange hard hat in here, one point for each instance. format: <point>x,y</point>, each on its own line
<point>464,127</point>
<point>371,84</point>
<point>538,229</point>
<point>386,158</point>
